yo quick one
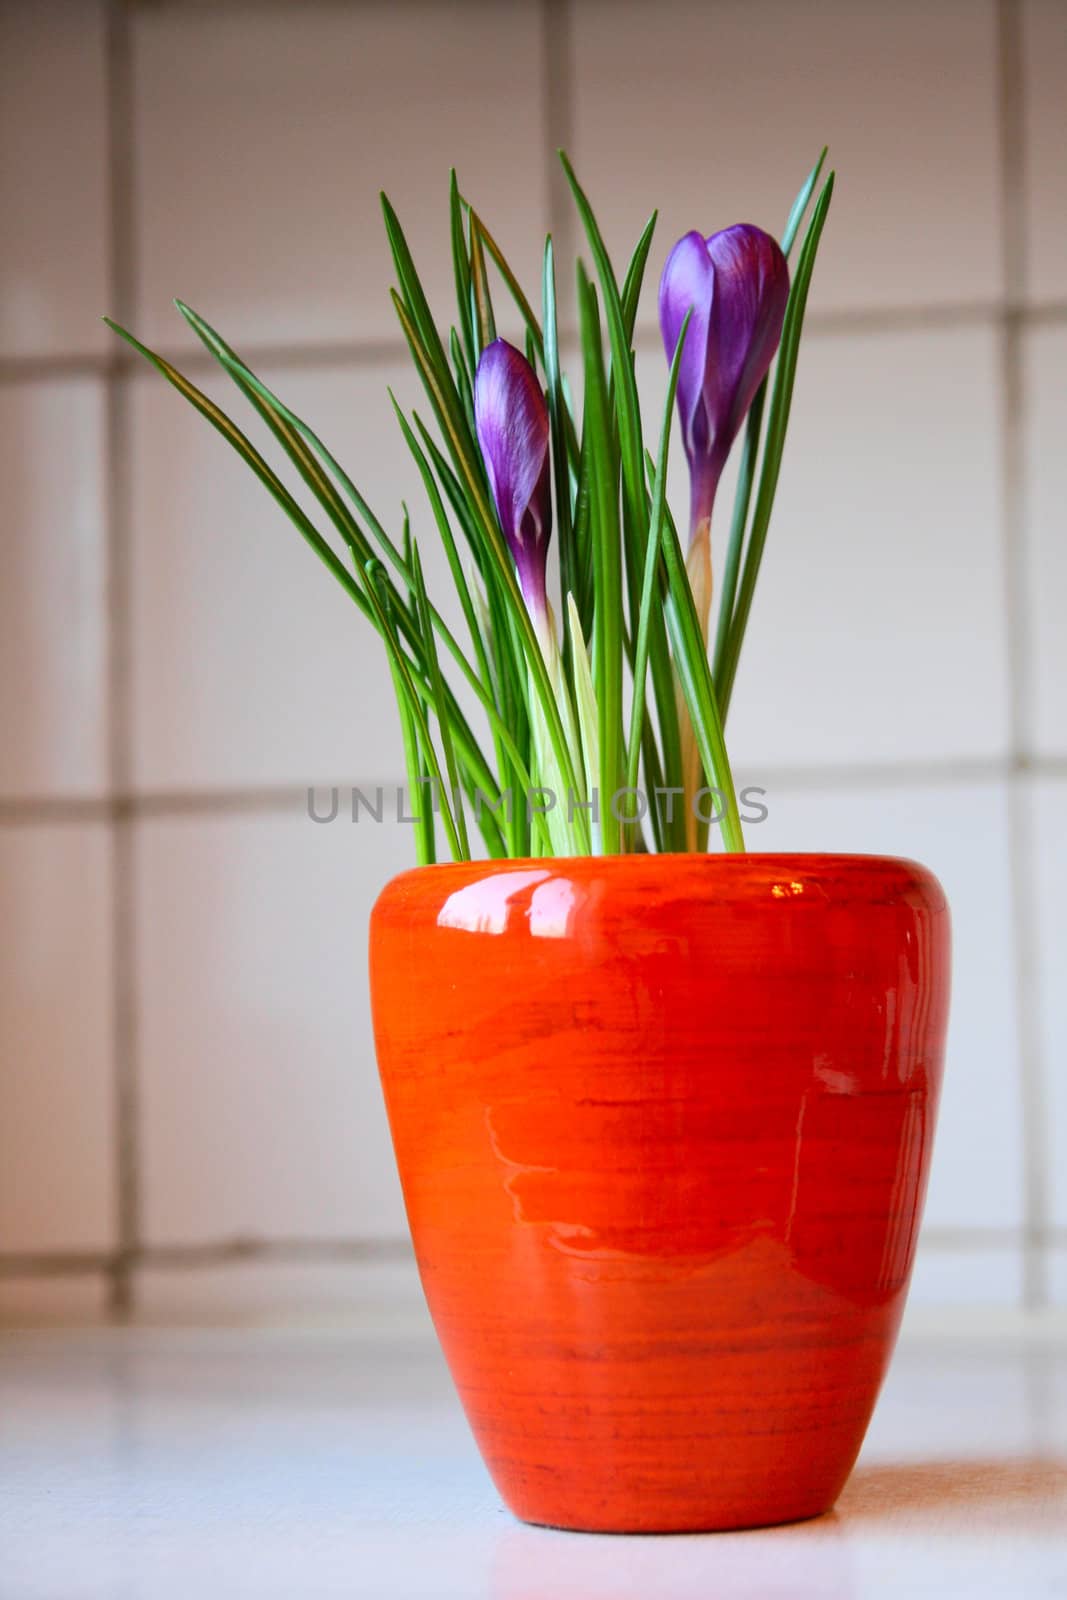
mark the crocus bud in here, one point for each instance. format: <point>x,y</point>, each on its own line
<point>737,285</point>
<point>513,432</point>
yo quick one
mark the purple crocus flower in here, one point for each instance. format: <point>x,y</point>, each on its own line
<point>513,431</point>
<point>737,284</point>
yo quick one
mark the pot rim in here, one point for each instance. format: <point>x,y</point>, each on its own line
<point>815,866</point>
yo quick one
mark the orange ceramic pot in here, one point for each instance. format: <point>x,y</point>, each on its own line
<point>663,1126</point>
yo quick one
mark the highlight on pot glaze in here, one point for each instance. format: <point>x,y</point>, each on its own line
<point>663,1127</point>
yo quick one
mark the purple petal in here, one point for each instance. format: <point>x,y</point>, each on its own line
<point>687,282</point>
<point>748,308</point>
<point>511,419</point>
<point>737,284</point>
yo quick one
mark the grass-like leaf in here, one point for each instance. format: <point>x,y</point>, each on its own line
<point>597,441</point>
<point>802,201</point>
<point>750,451</point>
<point>437,686</point>
<point>483,302</point>
<point>557,411</point>
<point>316,464</point>
<point>635,497</point>
<point>515,289</point>
<point>649,595</point>
<point>694,676</point>
<point>425,851</point>
<point>403,677</point>
<point>461,269</point>
<point>777,423</point>
<point>500,569</point>
<point>586,707</point>
<point>239,442</point>
<point>635,275</point>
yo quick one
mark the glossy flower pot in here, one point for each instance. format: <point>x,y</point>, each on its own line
<point>663,1126</point>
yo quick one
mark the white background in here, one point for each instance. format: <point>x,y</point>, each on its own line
<point>189,1109</point>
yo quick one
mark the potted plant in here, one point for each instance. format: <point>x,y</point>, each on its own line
<point>662,1114</point>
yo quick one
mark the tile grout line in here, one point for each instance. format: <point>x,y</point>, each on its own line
<point>276,799</point>
<point>354,1251</point>
<point>124,1043</point>
<point>302,355</point>
<point>1020,842</point>
<point>369,1249</point>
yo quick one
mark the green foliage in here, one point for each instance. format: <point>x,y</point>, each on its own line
<point>557,712</point>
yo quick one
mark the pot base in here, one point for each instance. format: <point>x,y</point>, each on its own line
<point>593,1467</point>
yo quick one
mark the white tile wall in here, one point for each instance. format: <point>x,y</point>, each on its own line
<point>253,665</point>
<point>967,1277</point>
<point>1044,35</point>
<point>1045,388</point>
<point>875,489</point>
<point>1057,1276</point>
<point>884,642</point>
<point>261,1110</point>
<point>53,583</point>
<point>366,1293</point>
<point>880,666</point>
<point>1048,813</point>
<point>56,1100</point>
<point>878,631</point>
<point>53,177</point>
<point>44,1301</point>
<point>714,113</point>
<point>259,166</point>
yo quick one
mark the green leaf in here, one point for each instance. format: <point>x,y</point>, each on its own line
<point>251,456</point>
<point>694,675</point>
<point>284,423</point>
<point>586,706</point>
<point>533,327</point>
<point>750,451</point>
<point>635,275</point>
<point>607,561</point>
<point>437,686</point>
<point>295,435</point>
<point>480,289</point>
<point>800,204</point>
<point>501,727</point>
<point>526,310</point>
<point>444,528</point>
<point>627,404</point>
<point>557,410</point>
<point>287,430</point>
<point>475,770</point>
<point>411,290</point>
<point>303,447</point>
<point>425,852</point>
<point>650,598</point>
<point>742,500</point>
<point>635,496</point>
<point>399,664</point>
<point>510,762</point>
<point>777,423</point>
<point>499,567</point>
<point>463,382</point>
<point>461,269</point>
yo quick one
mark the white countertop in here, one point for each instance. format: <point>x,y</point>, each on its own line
<point>145,1464</point>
